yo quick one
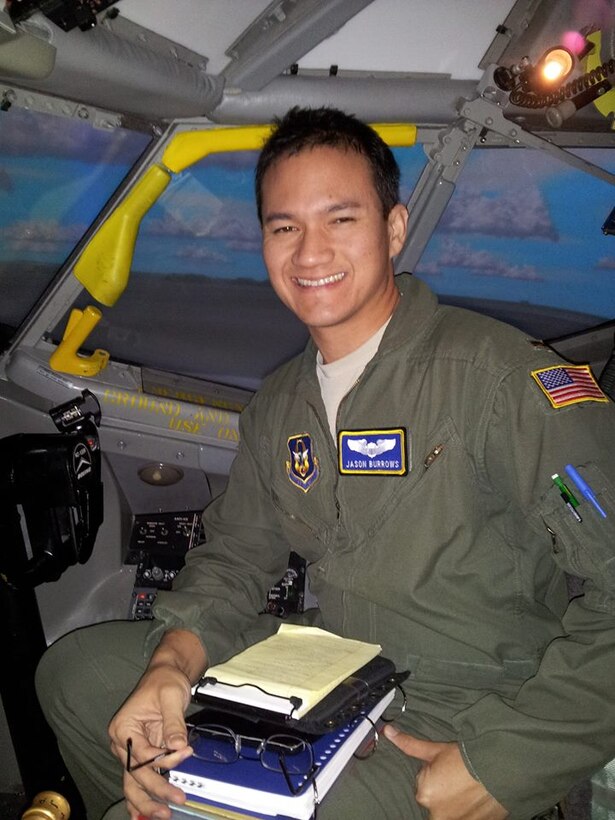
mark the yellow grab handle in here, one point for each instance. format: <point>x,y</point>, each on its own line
<point>104,266</point>
<point>396,134</point>
<point>65,358</point>
<point>189,147</point>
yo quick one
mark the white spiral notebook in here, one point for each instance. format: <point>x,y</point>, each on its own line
<point>247,785</point>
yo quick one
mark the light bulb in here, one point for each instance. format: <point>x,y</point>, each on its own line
<point>556,65</point>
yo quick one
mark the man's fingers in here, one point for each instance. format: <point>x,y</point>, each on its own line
<point>172,708</point>
<point>161,759</point>
<point>421,749</point>
<point>140,804</point>
<point>149,792</point>
<point>175,737</point>
<point>134,813</point>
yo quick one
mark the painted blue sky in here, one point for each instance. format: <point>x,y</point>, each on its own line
<point>521,226</point>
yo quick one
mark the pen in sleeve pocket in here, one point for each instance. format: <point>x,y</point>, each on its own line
<point>568,498</point>
<point>584,488</point>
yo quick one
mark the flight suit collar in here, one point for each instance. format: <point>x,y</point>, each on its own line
<point>413,314</point>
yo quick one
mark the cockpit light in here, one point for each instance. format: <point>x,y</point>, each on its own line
<point>555,65</point>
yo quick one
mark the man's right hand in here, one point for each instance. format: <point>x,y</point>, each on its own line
<point>153,718</point>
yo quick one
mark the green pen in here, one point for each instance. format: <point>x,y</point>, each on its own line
<point>564,489</point>
<point>568,498</point>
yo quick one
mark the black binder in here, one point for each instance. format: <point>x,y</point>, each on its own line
<point>357,694</point>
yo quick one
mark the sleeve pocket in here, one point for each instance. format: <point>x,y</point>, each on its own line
<point>585,548</point>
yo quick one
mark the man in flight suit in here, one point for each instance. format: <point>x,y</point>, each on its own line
<point>408,455</point>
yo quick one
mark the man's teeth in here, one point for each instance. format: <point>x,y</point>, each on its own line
<point>317,283</point>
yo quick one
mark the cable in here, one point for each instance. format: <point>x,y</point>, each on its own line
<point>528,99</point>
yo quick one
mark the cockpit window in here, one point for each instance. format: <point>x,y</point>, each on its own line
<point>56,173</point>
<point>198,301</point>
<point>522,240</point>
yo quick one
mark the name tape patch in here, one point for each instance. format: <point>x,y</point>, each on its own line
<point>373,452</point>
<point>568,384</point>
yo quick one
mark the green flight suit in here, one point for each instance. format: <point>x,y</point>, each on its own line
<point>457,568</point>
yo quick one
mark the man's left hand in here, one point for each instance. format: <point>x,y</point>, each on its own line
<point>444,786</point>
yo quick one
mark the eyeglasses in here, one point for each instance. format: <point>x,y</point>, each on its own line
<point>132,767</point>
<point>289,755</point>
<point>397,706</point>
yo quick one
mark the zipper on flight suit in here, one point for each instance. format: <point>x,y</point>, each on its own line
<point>344,397</point>
<point>554,544</point>
<point>332,450</point>
<point>337,424</point>
<point>433,455</point>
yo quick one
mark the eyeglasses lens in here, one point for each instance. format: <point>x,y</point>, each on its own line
<point>281,751</point>
<point>217,744</point>
<point>214,744</point>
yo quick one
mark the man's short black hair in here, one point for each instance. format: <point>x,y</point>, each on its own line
<point>303,128</point>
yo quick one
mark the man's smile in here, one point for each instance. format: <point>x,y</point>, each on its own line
<point>317,283</point>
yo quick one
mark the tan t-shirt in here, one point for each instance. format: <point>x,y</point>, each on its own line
<point>337,378</point>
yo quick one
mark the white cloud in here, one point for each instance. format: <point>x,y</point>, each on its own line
<point>200,253</point>
<point>510,214</point>
<point>483,263</point>
<point>606,263</point>
<point>231,221</point>
<point>428,269</point>
<point>40,236</point>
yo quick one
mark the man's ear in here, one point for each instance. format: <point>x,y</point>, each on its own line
<point>398,227</point>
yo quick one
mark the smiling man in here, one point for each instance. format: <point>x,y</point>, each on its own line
<point>329,253</point>
<point>407,454</point>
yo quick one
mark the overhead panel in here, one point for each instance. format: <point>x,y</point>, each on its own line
<point>281,35</point>
<point>109,67</point>
<point>517,22</point>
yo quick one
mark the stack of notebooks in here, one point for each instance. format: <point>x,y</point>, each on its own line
<point>296,679</point>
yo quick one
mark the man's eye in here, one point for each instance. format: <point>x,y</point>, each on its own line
<point>284,229</point>
<point>341,219</point>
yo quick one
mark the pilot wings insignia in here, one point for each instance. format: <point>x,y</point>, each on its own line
<point>371,449</point>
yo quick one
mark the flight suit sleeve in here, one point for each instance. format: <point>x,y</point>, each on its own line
<point>530,750</point>
<point>222,589</point>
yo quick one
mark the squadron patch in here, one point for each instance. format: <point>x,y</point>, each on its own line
<point>568,384</point>
<point>303,468</point>
<point>373,452</point>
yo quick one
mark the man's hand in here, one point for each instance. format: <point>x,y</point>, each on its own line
<point>153,718</point>
<point>444,786</point>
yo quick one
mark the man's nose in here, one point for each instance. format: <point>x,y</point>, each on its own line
<point>313,248</point>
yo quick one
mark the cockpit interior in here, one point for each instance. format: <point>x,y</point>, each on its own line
<point>136,318</point>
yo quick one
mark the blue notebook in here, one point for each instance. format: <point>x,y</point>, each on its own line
<point>247,786</point>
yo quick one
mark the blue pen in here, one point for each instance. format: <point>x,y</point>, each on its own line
<point>584,488</point>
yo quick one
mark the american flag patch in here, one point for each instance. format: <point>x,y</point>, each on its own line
<point>568,384</point>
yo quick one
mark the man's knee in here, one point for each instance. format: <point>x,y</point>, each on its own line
<point>89,672</point>
<point>57,674</point>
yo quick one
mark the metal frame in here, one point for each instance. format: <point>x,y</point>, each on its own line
<point>481,122</point>
<point>281,35</point>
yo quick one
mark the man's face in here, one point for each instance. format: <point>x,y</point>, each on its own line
<point>327,245</point>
